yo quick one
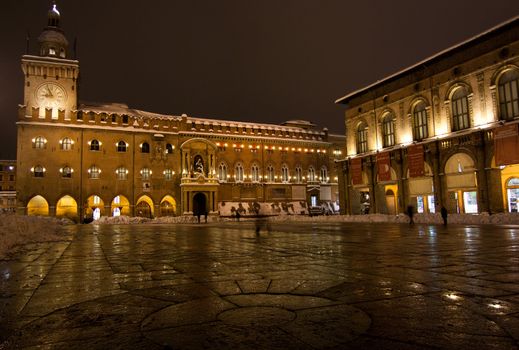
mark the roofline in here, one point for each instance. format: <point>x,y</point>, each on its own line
<point>344,99</point>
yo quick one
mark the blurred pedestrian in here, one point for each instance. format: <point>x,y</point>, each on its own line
<point>410,213</point>
<point>444,214</point>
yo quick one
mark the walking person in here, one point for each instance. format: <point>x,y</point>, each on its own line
<point>410,213</point>
<point>444,214</point>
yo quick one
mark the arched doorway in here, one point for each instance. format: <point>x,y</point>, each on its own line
<point>390,202</point>
<point>199,204</point>
<point>460,171</point>
<point>37,205</point>
<point>168,206</point>
<point>144,207</point>
<point>120,206</point>
<point>94,208</point>
<point>67,207</point>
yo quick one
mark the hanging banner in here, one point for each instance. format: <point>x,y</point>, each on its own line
<point>415,161</point>
<point>356,171</point>
<point>383,166</point>
<point>506,145</point>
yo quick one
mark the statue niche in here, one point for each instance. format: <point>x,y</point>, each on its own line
<point>198,166</point>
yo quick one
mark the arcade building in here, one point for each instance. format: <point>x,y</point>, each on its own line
<point>86,161</point>
<point>443,132</point>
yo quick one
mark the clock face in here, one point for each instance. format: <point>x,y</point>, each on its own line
<point>51,95</point>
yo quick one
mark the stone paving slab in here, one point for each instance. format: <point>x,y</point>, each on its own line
<point>302,286</point>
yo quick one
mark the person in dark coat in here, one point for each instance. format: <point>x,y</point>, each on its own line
<point>444,214</point>
<point>410,213</point>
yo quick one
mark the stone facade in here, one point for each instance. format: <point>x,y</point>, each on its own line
<point>451,105</point>
<point>81,160</point>
<point>7,186</point>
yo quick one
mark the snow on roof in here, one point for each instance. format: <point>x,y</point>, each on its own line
<point>121,108</point>
<point>428,59</point>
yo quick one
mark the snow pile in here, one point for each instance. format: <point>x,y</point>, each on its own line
<point>17,229</point>
<point>262,208</point>
<point>127,220</point>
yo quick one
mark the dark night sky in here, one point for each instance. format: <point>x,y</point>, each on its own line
<point>264,60</point>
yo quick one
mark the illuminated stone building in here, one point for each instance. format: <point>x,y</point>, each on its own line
<point>7,186</point>
<point>440,133</point>
<point>80,160</point>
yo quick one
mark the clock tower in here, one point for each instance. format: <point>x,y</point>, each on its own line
<point>50,89</point>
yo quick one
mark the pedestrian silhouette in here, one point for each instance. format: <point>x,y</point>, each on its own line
<point>444,214</point>
<point>410,213</point>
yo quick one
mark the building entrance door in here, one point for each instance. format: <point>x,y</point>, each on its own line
<point>199,204</point>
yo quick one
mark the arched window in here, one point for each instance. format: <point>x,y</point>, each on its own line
<point>238,172</point>
<point>121,173</point>
<point>222,172</point>
<point>39,142</point>
<point>254,172</point>
<point>95,145</point>
<point>388,130</point>
<point>94,172</point>
<point>66,144</point>
<point>169,148</point>
<point>298,174</point>
<point>311,174</point>
<point>324,174</point>
<point>270,173</point>
<point>508,89</point>
<point>460,109</point>
<point>362,138</point>
<point>146,173</point>
<point>145,147</point>
<point>38,171</point>
<point>121,146</point>
<point>420,128</point>
<point>168,174</point>
<point>66,172</point>
<point>284,174</point>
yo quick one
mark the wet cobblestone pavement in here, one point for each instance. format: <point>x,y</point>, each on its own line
<point>303,286</point>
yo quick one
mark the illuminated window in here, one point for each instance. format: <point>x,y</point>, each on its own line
<point>508,90</point>
<point>145,173</point>
<point>324,174</point>
<point>121,146</point>
<point>460,109</point>
<point>66,172</point>
<point>168,174</point>
<point>388,130</point>
<point>38,171</point>
<point>270,173</point>
<point>222,172</point>
<point>362,138</point>
<point>39,142</point>
<point>298,174</point>
<point>121,173</point>
<point>94,172</point>
<point>311,174</point>
<point>420,128</point>
<point>284,173</point>
<point>66,144</point>
<point>238,172</point>
<point>254,171</point>
<point>145,148</point>
<point>95,145</point>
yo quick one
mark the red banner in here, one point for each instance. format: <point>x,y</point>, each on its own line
<point>506,145</point>
<point>383,166</point>
<point>415,161</point>
<point>356,171</point>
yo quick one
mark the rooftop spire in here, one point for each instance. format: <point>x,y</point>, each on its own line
<point>53,15</point>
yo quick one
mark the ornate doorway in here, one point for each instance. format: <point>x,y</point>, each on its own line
<point>199,204</point>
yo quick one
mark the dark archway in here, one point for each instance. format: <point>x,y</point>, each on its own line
<point>199,204</point>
